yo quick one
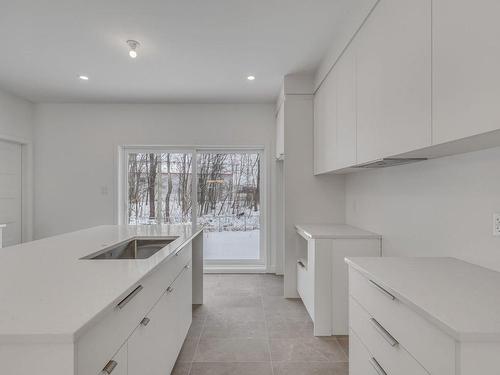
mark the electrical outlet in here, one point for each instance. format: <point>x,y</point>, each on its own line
<point>496,224</point>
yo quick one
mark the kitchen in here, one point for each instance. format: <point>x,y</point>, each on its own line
<point>363,136</point>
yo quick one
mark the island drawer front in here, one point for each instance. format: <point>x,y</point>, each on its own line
<point>305,287</point>
<point>96,346</point>
<point>360,360</point>
<point>392,357</point>
<point>430,346</point>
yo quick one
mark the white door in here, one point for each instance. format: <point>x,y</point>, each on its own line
<point>11,192</point>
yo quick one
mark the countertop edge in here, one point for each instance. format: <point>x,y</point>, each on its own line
<point>310,236</point>
<point>452,332</point>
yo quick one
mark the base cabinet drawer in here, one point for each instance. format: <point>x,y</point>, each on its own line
<point>305,287</point>
<point>155,344</point>
<point>389,353</point>
<point>360,360</point>
<point>430,346</point>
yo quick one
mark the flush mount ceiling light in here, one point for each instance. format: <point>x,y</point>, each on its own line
<point>133,46</point>
<point>83,78</point>
<point>251,78</point>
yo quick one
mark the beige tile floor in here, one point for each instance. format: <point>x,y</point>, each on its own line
<point>246,327</point>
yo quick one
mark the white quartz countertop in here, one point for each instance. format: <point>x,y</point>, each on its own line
<point>461,298</point>
<point>49,294</point>
<point>326,231</point>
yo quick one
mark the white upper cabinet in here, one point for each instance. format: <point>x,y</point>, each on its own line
<point>280,132</point>
<point>325,125</point>
<point>346,109</point>
<point>466,61</point>
<point>394,79</point>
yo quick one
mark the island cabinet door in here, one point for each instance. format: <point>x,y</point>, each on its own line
<point>185,302</point>
<point>152,347</point>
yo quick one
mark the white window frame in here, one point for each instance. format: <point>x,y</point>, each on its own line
<point>235,265</point>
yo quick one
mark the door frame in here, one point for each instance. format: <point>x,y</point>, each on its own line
<point>223,266</point>
<point>27,189</point>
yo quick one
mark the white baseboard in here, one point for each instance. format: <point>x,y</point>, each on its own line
<point>235,269</point>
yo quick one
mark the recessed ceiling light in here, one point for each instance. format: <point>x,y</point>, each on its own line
<point>133,45</point>
<point>84,78</point>
<point>251,78</point>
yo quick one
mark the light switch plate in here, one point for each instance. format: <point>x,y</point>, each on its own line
<point>496,224</point>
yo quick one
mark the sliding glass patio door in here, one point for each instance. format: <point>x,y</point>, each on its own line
<point>220,189</point>
<point>229,207</point>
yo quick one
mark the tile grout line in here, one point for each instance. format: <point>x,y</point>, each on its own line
<point>267,335</point>
<point>199,339</point>
<point>197,343</point>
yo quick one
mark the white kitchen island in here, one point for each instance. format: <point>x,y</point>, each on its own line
<point>62,313</point>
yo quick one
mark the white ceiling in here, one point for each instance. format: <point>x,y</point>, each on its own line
<point>192,50</point>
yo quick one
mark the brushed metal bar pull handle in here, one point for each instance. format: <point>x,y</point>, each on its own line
<point>170,289</point>
<point>377,367</point>
<point>108,369</point>
<point>383,332</point>
<point>145,321</point>
<point>178,252</point>
<point>300,263</point>
<point>385,292</point>
<point>127,299</point>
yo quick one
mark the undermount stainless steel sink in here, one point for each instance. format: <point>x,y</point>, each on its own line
<point>134,249</point>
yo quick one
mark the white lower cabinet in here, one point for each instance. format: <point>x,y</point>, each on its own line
<point>399,320</point>
<point>155,344</point>
<point>322,276</point>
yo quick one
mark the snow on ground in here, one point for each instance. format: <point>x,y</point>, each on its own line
<point>231,245</point>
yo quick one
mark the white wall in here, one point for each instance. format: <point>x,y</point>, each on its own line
<point>16,117</point>
<point>76,151</point>
<point>441,207</point>
<point>16,124</point>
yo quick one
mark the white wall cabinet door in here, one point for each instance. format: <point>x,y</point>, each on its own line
<point>280,132</point>
<point>466,59</point>
<point>325,125</point>
<point>346,109</point>
<point>11,192</point>
<point>394,79</point>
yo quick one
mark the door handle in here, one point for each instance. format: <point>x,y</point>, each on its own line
<point>108,369</point>
<point>380,370</point>
<point>127,299</point>
<point>384,333</point>
<point>383,291</point>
